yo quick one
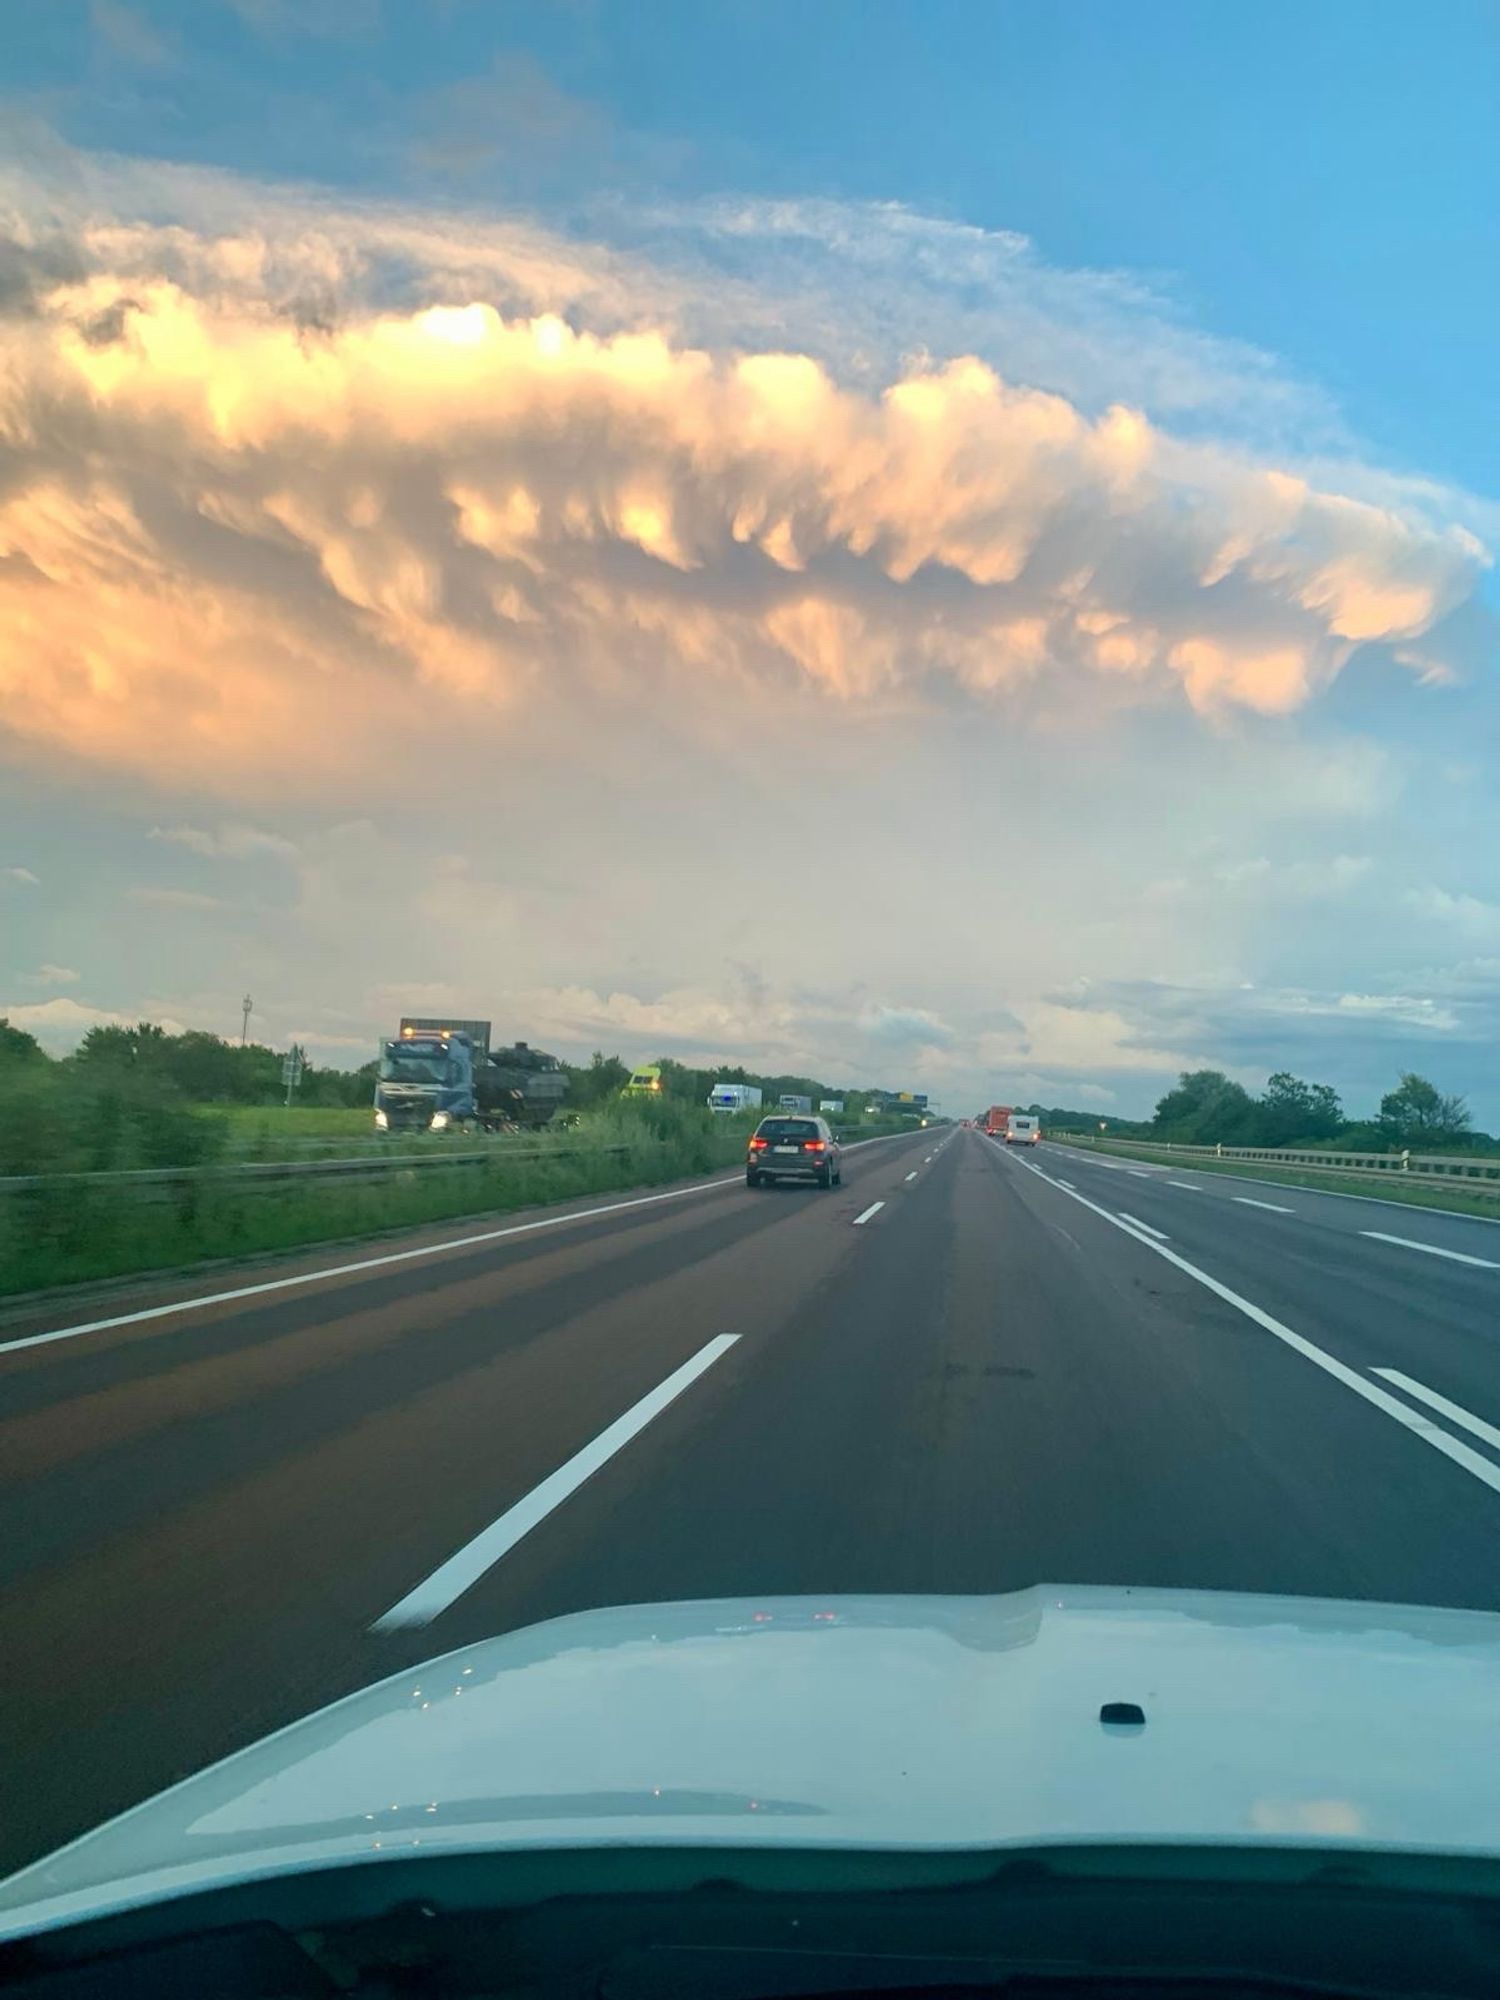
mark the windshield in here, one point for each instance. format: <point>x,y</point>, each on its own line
<point>910,556</point>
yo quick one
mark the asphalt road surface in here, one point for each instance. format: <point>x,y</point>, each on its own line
<point>968,1369</point>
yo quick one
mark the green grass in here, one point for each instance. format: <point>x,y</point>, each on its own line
<point>1411,1194</point>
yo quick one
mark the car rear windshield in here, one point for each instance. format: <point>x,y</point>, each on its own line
<point>788,1128</point>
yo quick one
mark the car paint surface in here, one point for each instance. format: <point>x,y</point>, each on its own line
<point>871,1723</point>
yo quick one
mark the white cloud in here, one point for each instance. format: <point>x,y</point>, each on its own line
<point>1470,915</point>
<point>22,875</point>
<point>60,1024</point>
<point>291,543</point>
<point>52,975</point>
<point>227,843</point>
<point>173,899</point>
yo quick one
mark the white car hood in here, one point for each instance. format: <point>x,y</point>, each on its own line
<point>875,1723</point>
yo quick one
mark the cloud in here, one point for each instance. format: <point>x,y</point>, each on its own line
<point>905,1027</point>
<point>1473,917</point>
<point>129,35</point>
<point>297,497</point>
<point>52,975</point>
<point>60,1024</point>
<point>172,899</point>
<point>22,875</point>
<point>227,843</point>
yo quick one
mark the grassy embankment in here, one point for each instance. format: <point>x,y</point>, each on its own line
<point>66,1232</point>
<point>1412,1193</point>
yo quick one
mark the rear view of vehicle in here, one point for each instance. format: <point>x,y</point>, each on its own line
<point>1022,1131</point>
<point>793,1149</point>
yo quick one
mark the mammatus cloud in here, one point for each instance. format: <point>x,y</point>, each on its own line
<point>270,510</point>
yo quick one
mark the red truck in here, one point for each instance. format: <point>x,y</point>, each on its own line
<point>997,1121</point>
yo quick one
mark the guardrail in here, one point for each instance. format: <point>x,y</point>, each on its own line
<point>1476,1176</point>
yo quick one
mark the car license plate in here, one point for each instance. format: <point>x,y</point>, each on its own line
<point>786,1149</point>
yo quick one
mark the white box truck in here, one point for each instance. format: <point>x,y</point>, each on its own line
<point>734,1097</point>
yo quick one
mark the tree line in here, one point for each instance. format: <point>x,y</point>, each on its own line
<point>1207,1108</point>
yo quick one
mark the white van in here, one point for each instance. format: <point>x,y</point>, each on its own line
<point>1021,1130</point>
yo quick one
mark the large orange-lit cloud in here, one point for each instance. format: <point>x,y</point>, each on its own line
<point>241,535</point>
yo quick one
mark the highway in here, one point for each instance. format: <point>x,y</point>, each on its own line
<point>968,1369</point>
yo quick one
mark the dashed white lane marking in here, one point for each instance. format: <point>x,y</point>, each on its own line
<point>1247,1201</point>
<point>912,1175</point>
<point>1136,1223</point>
<point>1432,1250</point>
<point>874,1209</point>
<point>1067,1184</point>
<point>1454,1412</point>
<point>1462,1455</point>
<point>449,1582</point>
<point>1191,1186</point>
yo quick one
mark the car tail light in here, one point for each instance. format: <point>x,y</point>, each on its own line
<point>814,1146</point>
<point>758,1145</point>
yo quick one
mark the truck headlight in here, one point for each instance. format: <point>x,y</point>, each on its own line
<point>440,1121</point>
<point>382,1123</point>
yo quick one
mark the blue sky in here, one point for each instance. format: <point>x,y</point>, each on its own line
<point>1200,536</point>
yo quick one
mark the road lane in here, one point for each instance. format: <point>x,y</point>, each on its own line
<point>985,1386</point>
<point>221,1503</point>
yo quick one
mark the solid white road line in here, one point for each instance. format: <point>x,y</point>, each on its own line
<point>874,1209</point>
<point>1453,1256</point>
<point>1135,1221</point>
<point>1454,1412</point>
<point>1461,1455</point>
<point>387,1258</point>
<point>1247,1201</point>
<point>449,1582</point>
<point>1333,1194</point>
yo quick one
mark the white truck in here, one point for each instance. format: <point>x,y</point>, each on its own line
<point>1021,1129</point>
<point>833,1104</point>
<point>734,1097</point>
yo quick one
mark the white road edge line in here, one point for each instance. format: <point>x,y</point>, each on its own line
<point>1454,1412</point>
<point>1248,1201</point>
<point>1136,1223</point>
<point>381,1262</point>
<point>1327,1194</point>
<point>874,1209</point>
<point>1462,1455</point>
<point>460,1572</point>
<point>1432,1250</point>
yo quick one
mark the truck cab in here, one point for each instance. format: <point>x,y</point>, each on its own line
<point>424,1082</point>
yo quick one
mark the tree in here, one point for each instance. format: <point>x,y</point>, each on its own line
<point>17,1046</point>
<point>1416,1113</point>
<point>1206,1109</point>
<point>1291,1110</point>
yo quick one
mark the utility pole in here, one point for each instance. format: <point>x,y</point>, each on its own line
<point>245,1005</point>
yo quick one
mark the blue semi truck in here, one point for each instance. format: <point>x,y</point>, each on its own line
<point>441,1076</point>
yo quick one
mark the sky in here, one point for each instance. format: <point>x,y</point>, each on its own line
<point>946,546</point>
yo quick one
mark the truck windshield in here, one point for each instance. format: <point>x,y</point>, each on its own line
<point>401,1064</point>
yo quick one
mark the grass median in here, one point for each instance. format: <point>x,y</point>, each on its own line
<point>69,1232</point>
<point>1406,1193</point>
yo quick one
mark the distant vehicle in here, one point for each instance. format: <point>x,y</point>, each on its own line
<point>833,1104</point>
<point>997,1120</point>
<point>644,1082</point>
<point>791,1102</point>
<point>734,1097</point>
<point>1022,1130</point>
<point>439,1076</point>
<point>794,1149</point>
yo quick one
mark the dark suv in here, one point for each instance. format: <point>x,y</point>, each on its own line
<point>794,1149</point>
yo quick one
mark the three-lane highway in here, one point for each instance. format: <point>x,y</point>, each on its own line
<point>224,1503</point>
